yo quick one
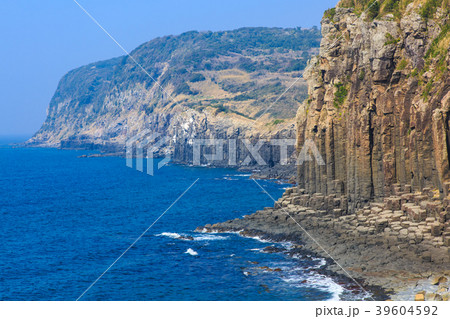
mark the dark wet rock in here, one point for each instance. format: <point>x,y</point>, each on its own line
<point>265,268</point>
<point>182,237</point>
<point>273,249</point>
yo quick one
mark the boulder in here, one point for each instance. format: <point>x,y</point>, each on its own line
<point>419,297</point>
<point>439,280</point>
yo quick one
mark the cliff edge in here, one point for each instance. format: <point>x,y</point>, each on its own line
<point>379,101</point>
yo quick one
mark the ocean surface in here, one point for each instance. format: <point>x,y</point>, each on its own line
<point>65,219</point>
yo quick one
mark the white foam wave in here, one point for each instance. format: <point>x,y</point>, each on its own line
<point>210,237</point>
<point>322,262</point>
<point>171,235</point>
<point>189,237</point>
<point>191,252</point>
<point>287,245</point>
<point>296,277</point>
<point>326,283</point>
<point>260,239</point>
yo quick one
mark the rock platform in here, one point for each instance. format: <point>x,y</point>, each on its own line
<point>398,243</point>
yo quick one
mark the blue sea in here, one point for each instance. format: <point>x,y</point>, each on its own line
<point>65,219</point>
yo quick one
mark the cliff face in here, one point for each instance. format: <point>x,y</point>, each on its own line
<point>211,85</point>
<point>379,101</point>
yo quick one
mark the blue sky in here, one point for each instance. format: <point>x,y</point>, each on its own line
<point>43,39</point>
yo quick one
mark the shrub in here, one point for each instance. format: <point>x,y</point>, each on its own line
<point>429,8</point>
<point>184,88</point>
<point>340,95</point>
<point>296,65</point>
<point>374,9</point>
<point>247,65</point>
<point>390,39</point>
<point>219,108</point>
<point>196,77</point>
<point>330,13</point>
<point>426,91</point>
<point>434,49</point>
<point>362,74</point>
<point>391,6</point>
<point>402,64</point>
<point>243,97</point>
<point>277,122</point>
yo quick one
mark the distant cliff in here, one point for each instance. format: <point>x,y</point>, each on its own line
<point>210,84</point>
<point>379,101</point>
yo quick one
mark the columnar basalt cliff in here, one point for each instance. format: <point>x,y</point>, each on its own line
<point>379,101</point>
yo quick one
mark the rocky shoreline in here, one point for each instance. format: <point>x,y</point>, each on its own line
<point>358,288</point>
<point>389,253</point>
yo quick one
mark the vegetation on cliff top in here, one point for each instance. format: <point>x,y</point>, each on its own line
<point>329,14</point>
<point>430,6</point>
<point>396,7</point>
<point>436,60</point>
<point>436,56</point>
<point>248,66</point>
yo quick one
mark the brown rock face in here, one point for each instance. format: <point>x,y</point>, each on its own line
<point>379,105</point>
<point>419,297</point>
